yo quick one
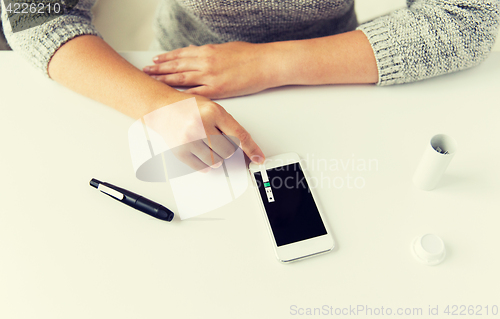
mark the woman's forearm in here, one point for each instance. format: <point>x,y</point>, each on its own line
<point>89,66</point>
<point>337,59</point>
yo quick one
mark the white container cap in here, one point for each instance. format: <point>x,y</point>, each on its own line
<point>429,249</point>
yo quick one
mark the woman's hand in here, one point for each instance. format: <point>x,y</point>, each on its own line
<point>216,70</point>
<point>200,134</point>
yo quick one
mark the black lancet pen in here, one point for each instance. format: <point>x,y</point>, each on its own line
<point>133,200</point>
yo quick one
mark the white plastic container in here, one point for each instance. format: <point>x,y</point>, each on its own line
<point>436,158</point>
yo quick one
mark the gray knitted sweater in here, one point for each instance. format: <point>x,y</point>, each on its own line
<point>426,39</point>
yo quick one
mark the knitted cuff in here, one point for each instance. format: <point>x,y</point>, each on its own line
<point>57,35</point>
<point>389,62</point>
<point>39,44</point>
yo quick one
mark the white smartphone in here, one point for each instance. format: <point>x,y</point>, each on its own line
<point>290,208</point>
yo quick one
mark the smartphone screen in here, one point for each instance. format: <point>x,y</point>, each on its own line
<point>289,204</point>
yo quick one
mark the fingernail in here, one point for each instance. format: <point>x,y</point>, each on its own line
<point>257,159</point>
<point>205,170</point>
<point>146,69</point>
<point>216,165</point>
<point>155,59</point>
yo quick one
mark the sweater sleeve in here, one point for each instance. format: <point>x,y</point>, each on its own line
<point>432,37</point>
<point>38,44</point>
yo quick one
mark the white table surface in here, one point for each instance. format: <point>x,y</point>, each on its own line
<point>67,251</point>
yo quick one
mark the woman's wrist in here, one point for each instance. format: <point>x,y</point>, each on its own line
<point>276,59</point>
<point>338,59</point>
<point>157,95</point>
<point>285,63</point>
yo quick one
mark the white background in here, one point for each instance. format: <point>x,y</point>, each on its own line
<point>67,251</point>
